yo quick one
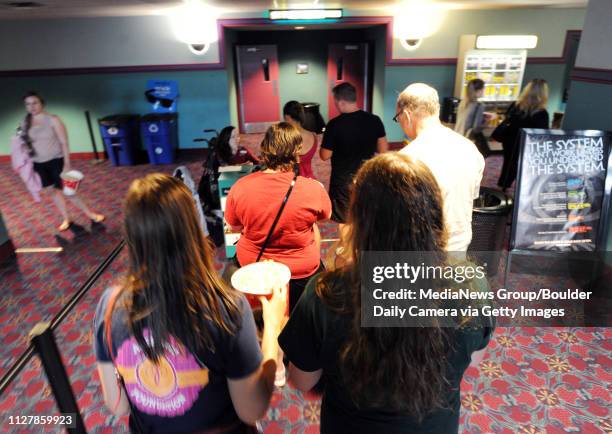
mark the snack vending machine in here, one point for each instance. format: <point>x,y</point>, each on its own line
<point>501,70</point>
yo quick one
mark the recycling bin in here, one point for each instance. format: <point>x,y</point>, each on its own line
<point>159,132</point>
<point>120,137</point>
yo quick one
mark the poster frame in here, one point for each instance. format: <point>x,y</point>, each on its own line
<point>602,231</point>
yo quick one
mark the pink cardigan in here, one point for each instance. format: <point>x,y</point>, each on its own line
<point>23,164</point>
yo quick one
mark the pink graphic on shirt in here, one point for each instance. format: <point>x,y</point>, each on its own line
<point>168,388</point>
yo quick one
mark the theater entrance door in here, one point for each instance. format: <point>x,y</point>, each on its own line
<point>348,63</point>
<point>258,72</point>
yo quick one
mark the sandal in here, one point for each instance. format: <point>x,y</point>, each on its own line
<point>64,226</point>
<point>98,218</point>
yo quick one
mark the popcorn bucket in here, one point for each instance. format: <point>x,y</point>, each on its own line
<point>259,279</point>
<point>71,181</point>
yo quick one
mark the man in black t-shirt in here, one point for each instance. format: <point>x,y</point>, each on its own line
<point>350,138</point>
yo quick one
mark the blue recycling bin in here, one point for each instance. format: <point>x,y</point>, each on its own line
<point>159,132</point>
<point>120,137</point>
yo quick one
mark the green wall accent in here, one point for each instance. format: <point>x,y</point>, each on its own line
<point>442,78</point>
<point>555,75</point>
<point>589,107</point>
<point>203,102</point>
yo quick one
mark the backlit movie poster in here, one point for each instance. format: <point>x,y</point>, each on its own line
<point>561,190</point>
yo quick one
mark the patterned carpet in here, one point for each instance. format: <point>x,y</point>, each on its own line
<point>532,380</point>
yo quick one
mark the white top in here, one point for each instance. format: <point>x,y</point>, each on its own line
<point>458,167</point>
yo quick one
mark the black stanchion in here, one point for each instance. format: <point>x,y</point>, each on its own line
<point>44,344</point>
<point>91,135</point>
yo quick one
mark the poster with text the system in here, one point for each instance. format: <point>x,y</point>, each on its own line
<point>561,193</point>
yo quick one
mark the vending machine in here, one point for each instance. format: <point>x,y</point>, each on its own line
<point>501,70</point>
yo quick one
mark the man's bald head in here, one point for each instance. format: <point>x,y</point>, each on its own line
<point>420,100</point>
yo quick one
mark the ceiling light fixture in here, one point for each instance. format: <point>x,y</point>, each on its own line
<point>305,14</point>
<point>299,27</point>
<point>488,42</point>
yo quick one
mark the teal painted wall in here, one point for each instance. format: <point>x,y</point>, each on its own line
<point>230,70</point>
<point>203,102</point>
<point>442,78</point>
<point>555,75</point>
<point>589,106</point>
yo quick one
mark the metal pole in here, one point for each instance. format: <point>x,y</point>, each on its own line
<point>44,344</point>
<point>91,134</point>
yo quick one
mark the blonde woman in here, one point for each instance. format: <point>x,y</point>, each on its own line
<point>528,112</point>
<point>470,114</point>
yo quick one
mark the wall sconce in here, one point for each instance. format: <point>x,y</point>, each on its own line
<point>411,44</point>
<point>196,25</point>
<point>415,20</point>
<point>198,49</point>
<point>488,42</point>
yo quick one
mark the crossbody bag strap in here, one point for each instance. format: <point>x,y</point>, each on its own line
<point>280,211</point>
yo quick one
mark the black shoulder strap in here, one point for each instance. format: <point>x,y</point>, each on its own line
<point>280,211</point>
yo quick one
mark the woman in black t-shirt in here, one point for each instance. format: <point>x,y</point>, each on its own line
<point>183,343</point>
<point>381,379</point>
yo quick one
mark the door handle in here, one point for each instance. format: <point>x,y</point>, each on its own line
<point>339,68</point>
<point>275,87</point>
<point>266,69</point>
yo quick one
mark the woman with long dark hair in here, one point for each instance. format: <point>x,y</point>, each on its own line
<point>229,150</point>
<point>380,379</point>
<point>46,139</point>
<point>183,343</point>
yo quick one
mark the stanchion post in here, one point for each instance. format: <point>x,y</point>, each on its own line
<point>44,344</point>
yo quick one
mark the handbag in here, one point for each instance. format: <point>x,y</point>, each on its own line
<point>480,140</point>
<point>503,130</point>
<point>234,264</point>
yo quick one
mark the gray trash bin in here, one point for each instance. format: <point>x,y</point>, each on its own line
<point>489,218</point>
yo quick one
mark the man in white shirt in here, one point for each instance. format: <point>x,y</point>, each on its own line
<point>454,161</point>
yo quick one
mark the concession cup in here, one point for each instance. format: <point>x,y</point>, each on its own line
<point>71,181</point>
<point>259,279</point>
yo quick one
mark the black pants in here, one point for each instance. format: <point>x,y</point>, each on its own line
<point>510,164</point>
<point>296,287</point>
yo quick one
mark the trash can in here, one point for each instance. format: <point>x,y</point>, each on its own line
<point>489,217</point>
<point>159,132</point>
<point>313,121</point>
<point>448,113</point>
<point>120,137</point>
